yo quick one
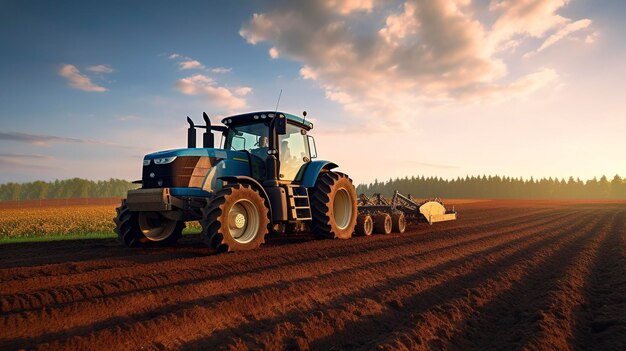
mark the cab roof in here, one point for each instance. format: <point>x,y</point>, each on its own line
<point>260,115</point>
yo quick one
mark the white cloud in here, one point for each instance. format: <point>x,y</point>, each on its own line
<point>191,85</point>
<point>221,70</point>
<point>243,91</point>
<point>563,32</point>
<point>100,69</point>
<point>186,62</point>
<point>190,64</point>
<point>79,81</point>
<point>220,96</point>
<point>522,87</point>
<point>591,38</point>
<point>345,7</point>
<point>425,52</point>
<point>273,52</point>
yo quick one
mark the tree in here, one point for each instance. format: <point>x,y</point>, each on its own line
<point>617,188</point>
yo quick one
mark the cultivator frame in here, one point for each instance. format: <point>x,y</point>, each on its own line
<point>431,211</point>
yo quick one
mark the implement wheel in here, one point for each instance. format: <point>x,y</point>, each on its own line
<point>382,223</point>
<point>333,205</point>
<point>136,229</point>
<point>364,225</point>
<point>236,219</point>
<point>398,222</point>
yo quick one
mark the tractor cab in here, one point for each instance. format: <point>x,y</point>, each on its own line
<point>264,134</point>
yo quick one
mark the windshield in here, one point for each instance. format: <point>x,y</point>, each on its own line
<point>247,137</point>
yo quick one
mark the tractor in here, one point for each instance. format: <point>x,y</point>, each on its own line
<point>263,178</point>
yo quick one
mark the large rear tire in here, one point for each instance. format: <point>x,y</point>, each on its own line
<point>137,229</point>
<point>334,207</point>
<point>236,219</point>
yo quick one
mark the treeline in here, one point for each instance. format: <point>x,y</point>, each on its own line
<point>501,187</point>
<point>422,187</point>
<point>64,189</point>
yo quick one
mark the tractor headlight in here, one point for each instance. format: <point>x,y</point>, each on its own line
<point>146,162</point>
<point>164,160</point>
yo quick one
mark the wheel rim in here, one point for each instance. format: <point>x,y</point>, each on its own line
<point>155,227</point>
<point>243,221</point>
<point>369,225</point>
<point>387,224</point>
<point>402,224</point>
<point>342,208</point>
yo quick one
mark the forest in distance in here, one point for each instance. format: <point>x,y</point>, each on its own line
<point>497,187</point>
<point>492,187</point>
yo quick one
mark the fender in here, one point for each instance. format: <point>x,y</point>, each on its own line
<point>313,169</point>
<point>253,183</point>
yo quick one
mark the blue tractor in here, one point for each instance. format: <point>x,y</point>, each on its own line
<point>263,178</point>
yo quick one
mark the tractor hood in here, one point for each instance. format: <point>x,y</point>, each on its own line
<point>182,168</point>
<point>217,153</point>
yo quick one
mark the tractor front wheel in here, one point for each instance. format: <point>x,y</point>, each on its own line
<point>136,229</point>
<point>236,219</point>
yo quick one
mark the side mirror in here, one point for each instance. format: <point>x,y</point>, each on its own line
<point>281,125</point>
<point>312,147</point>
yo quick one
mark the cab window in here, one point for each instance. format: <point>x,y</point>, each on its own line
<point>294,152</point>
<point>246,137</point>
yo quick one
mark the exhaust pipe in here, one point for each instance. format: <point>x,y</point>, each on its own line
<point>191,134</point>
<point>208,140</point>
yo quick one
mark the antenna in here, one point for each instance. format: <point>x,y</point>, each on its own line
<point>278,102</point>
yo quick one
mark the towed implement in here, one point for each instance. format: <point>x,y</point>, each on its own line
<point>381,215</point>
<point>263,178</point>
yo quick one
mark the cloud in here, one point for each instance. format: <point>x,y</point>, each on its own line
<point>346,7</point>
<point>243,91</point>
<point>423,53</point>
<point>79,81</point>
<point>35,156</point>
<point>522,87</point>
<point>220,96</point>
<point>221,70</point>
<point>19,162</point>
<point>186,62</point>
<point>47,140</point>
<point>190,64</point>
<point>563,32</point>
<point>100,69</point>
<point>273,52</point>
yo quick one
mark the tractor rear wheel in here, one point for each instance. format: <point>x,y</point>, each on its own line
<point>382,223</point>
<point>398,222</point>
<point>136,229</point>
<point>364,225</point>
<point>236,219</point>
<point>333,206</point>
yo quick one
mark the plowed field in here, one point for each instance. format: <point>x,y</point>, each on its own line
<point>505,275</point>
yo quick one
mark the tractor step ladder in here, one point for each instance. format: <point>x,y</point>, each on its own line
<point>299,206</point>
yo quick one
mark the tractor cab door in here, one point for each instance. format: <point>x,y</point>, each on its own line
<point>293,154</point>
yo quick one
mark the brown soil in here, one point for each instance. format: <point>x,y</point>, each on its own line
<point>506,275</point>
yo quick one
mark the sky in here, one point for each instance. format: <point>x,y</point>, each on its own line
<point>443,88</point>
